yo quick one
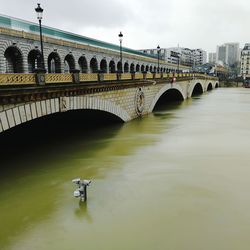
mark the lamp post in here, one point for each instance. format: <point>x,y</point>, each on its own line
<point>158,52</point>
<point>39,12</point>
<point>120,39</point>
<point>178,66</point>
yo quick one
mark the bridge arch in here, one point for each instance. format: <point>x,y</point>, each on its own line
<point>209,86</point>
<point>137,68</point>
<point>14,59</point>
<point>93,65</point>
<point>54,63</point>
<point>112,66</point>
<point>132,67</point>
<point>126,67</point>
<point>197,89</point>
<point>119,67</point>
<point>142,68</point>
<point>103,66</point>
<point>163,90</point>
<point>69,63</point>
<point>30,111</point>
<point>216,85</point>
<point>34,60</point>
<point>94,103</point>
<point>83,64</point>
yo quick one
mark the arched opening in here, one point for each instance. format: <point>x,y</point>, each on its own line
<point>161,69</point>
<point>209,87</point>
<point>54,63</point>
<point>69,63</point>
<point>132,68</point>
<point>197,89</point>
<point>216,85</point>
<point>142,68</point>
<point>137,69</point>
<point>119,67</point>
<point>147,68</point>
<point>126,68</point>
<point>112,67</point>
<point>170,96</point>
<point>83,65</point>
<point>103,66</point>
<point>151,69</point>
<point>69,123</point>
<point>154,68</point>
<point>34,60</point>
<point>14,60</point>
<point>93,65</point>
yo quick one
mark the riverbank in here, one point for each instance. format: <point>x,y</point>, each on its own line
<point>226,84</point>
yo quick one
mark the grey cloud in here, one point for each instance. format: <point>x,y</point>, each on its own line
<point>146,23</point>
<point>106,13</point>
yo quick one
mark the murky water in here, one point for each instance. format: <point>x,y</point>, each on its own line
<point>178,179</point>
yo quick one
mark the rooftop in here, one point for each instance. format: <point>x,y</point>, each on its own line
<point>18,24</point>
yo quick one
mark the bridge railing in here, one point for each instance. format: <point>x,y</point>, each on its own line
<point>75,78</point>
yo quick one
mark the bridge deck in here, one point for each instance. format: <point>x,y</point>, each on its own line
<point>13,80</point>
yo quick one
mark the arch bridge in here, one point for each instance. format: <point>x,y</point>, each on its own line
<point>25,97</point>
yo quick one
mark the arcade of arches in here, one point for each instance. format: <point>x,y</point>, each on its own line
<point>55,63</point>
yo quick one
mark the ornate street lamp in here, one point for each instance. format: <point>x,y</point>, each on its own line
<point>39,12</point>
<point>120,38</point>
<point>158,52</point>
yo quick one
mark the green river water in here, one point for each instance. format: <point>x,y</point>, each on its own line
<point>178,179</point>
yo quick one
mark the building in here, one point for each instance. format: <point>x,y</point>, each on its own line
<point>212,57</point>
<point>167,55</point>
<point>221,54</point>
<point>178,55</point>
<point>245,60</point>
<point>228,53</point>
<point>232,53</point>
<point>200,56</point>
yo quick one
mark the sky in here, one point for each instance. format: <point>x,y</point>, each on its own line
<point>144,23</point>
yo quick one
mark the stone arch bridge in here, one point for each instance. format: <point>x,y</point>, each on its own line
<point>126,96</point>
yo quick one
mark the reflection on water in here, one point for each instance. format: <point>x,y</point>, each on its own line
<point>176,179</point>
<point>82,212</point>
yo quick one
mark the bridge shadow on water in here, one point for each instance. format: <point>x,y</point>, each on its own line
<point>38,139</point>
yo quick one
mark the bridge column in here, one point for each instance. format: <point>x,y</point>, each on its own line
<point>25,66</point>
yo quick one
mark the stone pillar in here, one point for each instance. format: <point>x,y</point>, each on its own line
<point>25,64</point>
<point>75,75</point>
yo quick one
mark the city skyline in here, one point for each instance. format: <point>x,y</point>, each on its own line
<point>159,23</point>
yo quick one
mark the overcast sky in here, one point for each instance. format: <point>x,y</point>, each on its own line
<point>144,23</point>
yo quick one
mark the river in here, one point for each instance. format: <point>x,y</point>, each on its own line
<point>178,179</point>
